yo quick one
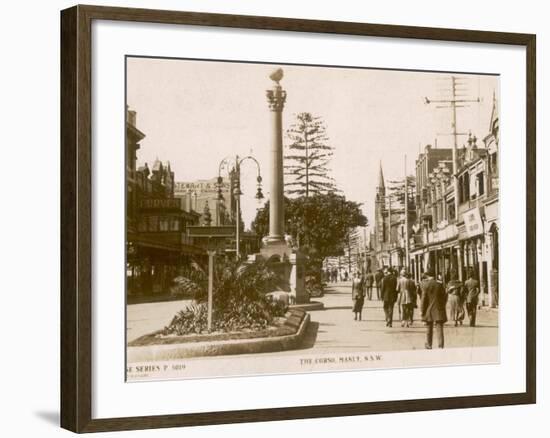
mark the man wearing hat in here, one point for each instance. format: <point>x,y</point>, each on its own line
<point>434,300</point>
<point>389,295</point>
<point>406,289</point>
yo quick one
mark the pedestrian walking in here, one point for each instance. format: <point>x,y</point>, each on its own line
<point>369,282</point>
<point>472,297</point>
<point>412,289</point>
<point>418,288</point>
<point>357,295</point>
<point>378,282</point>
<point>434,300</point>
<point>388,286</point>
<point>406,289</point>
<point>455,291</point>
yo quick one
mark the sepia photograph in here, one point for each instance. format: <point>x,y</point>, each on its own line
<point>286,218</point>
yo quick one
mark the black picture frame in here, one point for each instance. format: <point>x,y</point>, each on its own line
<point>76,217</point>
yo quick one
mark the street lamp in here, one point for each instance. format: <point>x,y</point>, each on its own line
<point>236,162</point>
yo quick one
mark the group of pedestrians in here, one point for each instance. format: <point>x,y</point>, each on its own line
<point>390,290</point>
<point>461,296</point>
<point>334,275</point>
<point>362,287</point>
<point>405,292</point>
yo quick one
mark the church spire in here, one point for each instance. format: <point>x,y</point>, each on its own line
<point>381,178</point>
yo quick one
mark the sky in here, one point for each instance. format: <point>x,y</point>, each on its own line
<point>194,113</point>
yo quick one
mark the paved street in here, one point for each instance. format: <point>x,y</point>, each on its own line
<point>334,330</point>
<point>338,332</point>
<point>148,317</point>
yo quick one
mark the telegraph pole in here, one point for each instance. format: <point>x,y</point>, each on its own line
<point>406,216</point>
<point>365,249</point>
<point>457,100</point>
<point>389,227</point>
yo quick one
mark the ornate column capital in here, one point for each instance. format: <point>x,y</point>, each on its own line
<point>276,98</point>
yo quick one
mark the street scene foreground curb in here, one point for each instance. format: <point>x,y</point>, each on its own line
<point>219,348</point>
<point>308,307</point>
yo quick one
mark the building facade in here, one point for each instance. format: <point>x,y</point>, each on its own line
<point>433,240</point>
<point>203,195</point>
<point>157,245</point>
<point>461,240</point>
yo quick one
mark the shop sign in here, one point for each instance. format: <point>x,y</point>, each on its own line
<point>210,186</point>
<point>472,221</point>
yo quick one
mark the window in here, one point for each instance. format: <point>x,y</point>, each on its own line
<point>451,209</point>
<point>480,184</point>
<point>164,224</point>
<point>466,187</point>
<point>174,224</point>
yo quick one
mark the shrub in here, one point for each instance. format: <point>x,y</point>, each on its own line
<point>239,300</point>
<point>315,285</point>
<point>193,319</point>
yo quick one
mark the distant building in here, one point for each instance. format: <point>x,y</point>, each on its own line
<point>391,227</point>
<point>197,195</point>
<point>381,235</point>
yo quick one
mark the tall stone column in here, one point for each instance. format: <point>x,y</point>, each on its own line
<point>290,267</point>
<point>276,97</point>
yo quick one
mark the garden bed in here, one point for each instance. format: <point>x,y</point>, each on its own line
<point>283,326</point>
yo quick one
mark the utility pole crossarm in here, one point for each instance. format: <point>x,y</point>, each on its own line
<point>457,88</point>
<point>428,101</point>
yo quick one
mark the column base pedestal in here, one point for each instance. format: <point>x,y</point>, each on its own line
<point>289,266</point>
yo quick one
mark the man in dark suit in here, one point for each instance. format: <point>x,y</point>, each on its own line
<point>378,276</point>
<point>369,281</point>
<point>434,300</point>
<point>388,290</point>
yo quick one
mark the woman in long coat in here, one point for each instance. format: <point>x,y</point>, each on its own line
<point>406,289</point>
<point>358,295</point>
<point>455,291</point>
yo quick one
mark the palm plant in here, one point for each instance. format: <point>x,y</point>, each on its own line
<point>239,297</point>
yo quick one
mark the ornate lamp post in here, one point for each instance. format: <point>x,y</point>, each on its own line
<point>236,162</point>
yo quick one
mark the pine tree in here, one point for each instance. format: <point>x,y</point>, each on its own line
<point>397,192</point>
<point>309,154</point>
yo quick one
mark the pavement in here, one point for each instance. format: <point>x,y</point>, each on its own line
<point>338,332</point>
<point>145,318</point>
<point>333,329</point>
